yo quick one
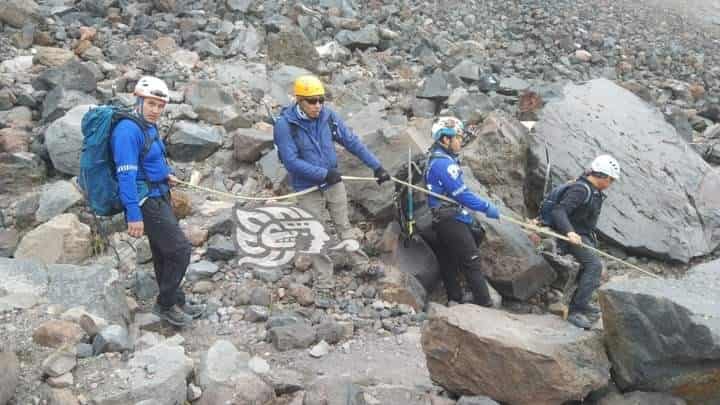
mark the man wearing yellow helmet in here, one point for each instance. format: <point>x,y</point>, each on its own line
<point>305,135</point>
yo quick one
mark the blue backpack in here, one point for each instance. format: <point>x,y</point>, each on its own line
<point>554,196</point>
<point>97,176</point>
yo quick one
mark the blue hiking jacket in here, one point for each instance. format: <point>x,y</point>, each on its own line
<point>444,176</point>
<point>308,156</point>
<point>127,145</point>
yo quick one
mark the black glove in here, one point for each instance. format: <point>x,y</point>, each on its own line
<point>382,175</point>
<point>332,177</point>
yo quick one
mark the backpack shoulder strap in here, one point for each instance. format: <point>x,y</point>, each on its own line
<point>333,128</point>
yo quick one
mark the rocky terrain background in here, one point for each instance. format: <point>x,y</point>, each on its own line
<point>637,79</point>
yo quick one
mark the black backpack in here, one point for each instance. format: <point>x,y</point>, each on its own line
<point>554,196</point>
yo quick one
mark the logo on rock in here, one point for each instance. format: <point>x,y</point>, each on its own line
<point>271,236</point>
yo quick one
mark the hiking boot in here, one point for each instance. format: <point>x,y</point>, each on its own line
<point>173,315</point>
<point>580,320</point>
<point>195,311</point>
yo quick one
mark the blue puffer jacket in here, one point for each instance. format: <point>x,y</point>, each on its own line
<point>311,153</point>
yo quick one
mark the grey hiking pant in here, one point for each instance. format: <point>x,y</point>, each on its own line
<point>589,275</point>
<point>334,198</point>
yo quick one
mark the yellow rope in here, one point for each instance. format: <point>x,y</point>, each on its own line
<point>523,224</point>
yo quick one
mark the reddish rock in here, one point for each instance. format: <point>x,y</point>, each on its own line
<point>57,333</point>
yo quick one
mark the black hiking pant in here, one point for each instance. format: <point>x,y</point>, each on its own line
<point>170,249</point>
<point>457,250</point>
<point>589,275</point>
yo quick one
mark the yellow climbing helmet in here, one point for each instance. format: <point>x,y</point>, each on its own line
<point>307,86</point>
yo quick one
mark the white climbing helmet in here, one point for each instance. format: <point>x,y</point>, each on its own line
<point>446,122</point>
<point>606,165</point>
<point>152,87</point>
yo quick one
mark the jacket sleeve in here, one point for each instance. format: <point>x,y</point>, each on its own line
<point>449,174</point>
<point>572,198</point>
<point>354,145</point>
<point>290,156</point>
<point>127,142</point>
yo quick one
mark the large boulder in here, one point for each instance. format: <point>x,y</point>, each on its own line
<point>675,215</point>
<point>63,139</point>
<point>191,142</point>
<point>158,373</point>
<point>9,375</point>
<point>16,13</point>
<point>292,47</point>
<point>224,377</point>
<point>663,335</point>
<point>515,359</point>
<point>63,239</point>
<point>211,102</point>
<point>56,198</point>
<point>390,144</point>
<point>361,39</point>
<point>73,75</point>
<point>509,259</point>
<point>21,170</point>
<point>59,101</point>
<point>498,157</point>
<point>95,288</point>
<point>249,143</point>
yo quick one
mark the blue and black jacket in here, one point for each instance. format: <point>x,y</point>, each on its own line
<point>445,176</point>
<point>138,180</point>
<point>308,151</point>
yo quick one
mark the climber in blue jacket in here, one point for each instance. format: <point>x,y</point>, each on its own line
<point>144,188</point>
<point>456,244</point>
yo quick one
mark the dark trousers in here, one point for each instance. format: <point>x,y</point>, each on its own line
<point>170,249</point>
<point>589,275</point>
<point>457,250</point>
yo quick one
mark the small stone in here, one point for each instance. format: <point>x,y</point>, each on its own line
<point>303,294</point>
<point>259,365</point>
<point>193,392</point>
<point>203,287</point>
<point>201,270</point>
<point>83,350</point>
<point>583,55</point>
<point>257,313</point>
<point>302,263</point>
<point>260,296</point>
<point>64,381</point>
<point>113,338</point>
<point>59,363</point>
<point>320,349</point>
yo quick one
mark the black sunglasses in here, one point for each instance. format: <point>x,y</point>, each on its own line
<point>314,100</point>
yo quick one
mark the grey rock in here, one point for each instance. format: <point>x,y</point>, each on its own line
<point>16,13</point>
<point>9,239</point>
<point>267,275</point>
<point>21,170</point>
<point>56,198</point>
<point>144,285</point>
<point>211,101</point>
<point>273,169</point>
<point>476,400</point>
<point>472,108</point>
<point>260,296</point>
<point>319,350</point>
<point>330,332</point>
<point>73,75</point>
<point>220,223</point>
<point>652,325</point>
<point>512,86</point>
<point>365,37</point>
<point>25,209</point>
<point>246,42</point>
<point>676,221</point>
<point>467,70</point>
<point>221,247</point>
<point>488,83</point>
<point>84,350</point>
<point>678,119</point>
<point>158,374</point>
<point>93,287</point>
<point>113,338</point>
<point>252,75</point>
<point>241,6</point>
<point>224,376</point>
<point>641,398</point>
<point>295,336</point>
<point>59,363</point>
<point>9,375</point>
<point>462,352</point>
<point>256,313</point>
<point>258,365</point>
<point>436,86</point>
<point>423,107</point>
<point>283,319</point>
<point>59,101</point>
<point>286,381</point>
<point>192,142</point>
<point>249,143</point>
<point>207,48</point>
<point>63,139</point>
<point>292,47</point>
<point>282,79</point>
<point>201,270</point>
<point>63,239</point>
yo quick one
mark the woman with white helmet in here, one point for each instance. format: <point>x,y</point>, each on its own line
<point>575,215</point>
<point>144,180</point>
